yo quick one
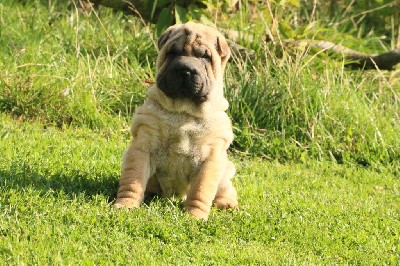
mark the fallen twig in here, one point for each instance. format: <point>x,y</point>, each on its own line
<point>384,61</point>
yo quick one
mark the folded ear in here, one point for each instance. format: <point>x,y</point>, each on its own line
<point>163,39</point>
<point>223,49</point>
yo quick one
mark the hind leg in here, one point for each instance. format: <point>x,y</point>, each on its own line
<point>153,187</point>
<point>226,197</point>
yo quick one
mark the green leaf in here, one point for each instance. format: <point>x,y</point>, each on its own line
<point>295,3</point>
<point>286,29</point>
<point>153,9</point>
<point>180,14</point>
<point>194,12</point>
<point>164,20</point>
<point>162,3</point>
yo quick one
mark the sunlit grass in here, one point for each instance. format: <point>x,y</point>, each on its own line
<point>56,188</point>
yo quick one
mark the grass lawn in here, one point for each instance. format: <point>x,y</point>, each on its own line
<point>56,187</point>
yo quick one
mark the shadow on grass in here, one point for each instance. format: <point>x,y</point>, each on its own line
<point>72,184</point>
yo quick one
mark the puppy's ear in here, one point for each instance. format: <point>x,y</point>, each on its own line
<point>163,39</point>
<point>223,49</point>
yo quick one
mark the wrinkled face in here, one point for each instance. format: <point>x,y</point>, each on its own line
<point>192,58</point>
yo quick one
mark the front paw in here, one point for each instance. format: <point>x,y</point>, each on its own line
<point>126,203</point>
<point>197,213</point>
<point>226,203</point>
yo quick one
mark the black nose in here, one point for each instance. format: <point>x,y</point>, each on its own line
<point>185,73</point>
<point>187,77</point>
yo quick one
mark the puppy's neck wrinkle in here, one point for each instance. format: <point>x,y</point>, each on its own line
<point>216,103</point>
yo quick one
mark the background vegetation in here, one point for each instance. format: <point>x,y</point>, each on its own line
<point>286,103</point>
<point>317,145</point>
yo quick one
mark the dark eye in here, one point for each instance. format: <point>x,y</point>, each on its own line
<point>207,55</point>
<point>173,53</point>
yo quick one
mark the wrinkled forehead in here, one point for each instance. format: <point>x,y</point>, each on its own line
<point>181,38</point>
<point>191,28</point>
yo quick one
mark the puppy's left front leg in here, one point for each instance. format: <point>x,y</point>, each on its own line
<point>135,171</point>
<point>204,188</point>
<point>134,178</point>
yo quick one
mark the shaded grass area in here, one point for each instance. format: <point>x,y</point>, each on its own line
<point>56,187</point>
<point>299,109</point>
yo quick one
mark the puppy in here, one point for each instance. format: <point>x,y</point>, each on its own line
<point>181,133</point>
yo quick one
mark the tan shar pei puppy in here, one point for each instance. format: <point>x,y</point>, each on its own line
<point>181,133</point>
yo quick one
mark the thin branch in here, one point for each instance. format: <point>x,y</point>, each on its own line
<point>365,12</point>
<point>384,61</point>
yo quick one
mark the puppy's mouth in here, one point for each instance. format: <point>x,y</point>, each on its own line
<point>201,99</point>
<point>183,79</point>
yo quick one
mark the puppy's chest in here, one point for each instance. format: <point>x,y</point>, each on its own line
<point>184,140</point>
<point>179,156</point>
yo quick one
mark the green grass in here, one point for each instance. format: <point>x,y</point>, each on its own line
<point>64,67</point>
<point>67,67</point>
<point>317,150</point>
<point>56,187</point>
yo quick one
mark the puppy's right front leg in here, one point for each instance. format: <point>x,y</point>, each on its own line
<point>134,178</point>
